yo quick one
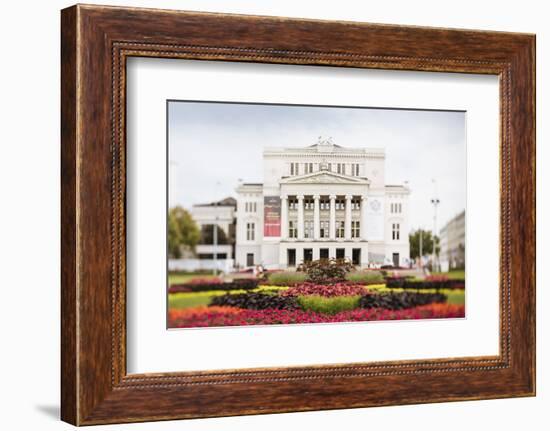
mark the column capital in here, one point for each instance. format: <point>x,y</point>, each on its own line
<point>332,197</point>
<point>316,197</point>
<point>300,197</point>
<point>364,197</point>
<point>349,197</point>
<point>284,196</point>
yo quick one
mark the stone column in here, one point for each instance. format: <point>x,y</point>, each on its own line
<point>347,224</point>
<point>316,217</point>
<point>300,217</point>
<point>363,224</point>
<point>284,217</point>
<point>332,228</point>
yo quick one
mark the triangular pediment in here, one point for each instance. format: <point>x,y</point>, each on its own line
<point>325,177</point>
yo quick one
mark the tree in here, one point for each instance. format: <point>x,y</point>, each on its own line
<point>182,231</point>
<point>207,235</point>
<point>427,243</point>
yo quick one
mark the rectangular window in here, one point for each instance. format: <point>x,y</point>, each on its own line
<point>324,229</point>
<point>355,204</point>
<point>293,204</point>
<point>329,167</point>
<point>250,231</point>
<point>291,256</point>
<point>340,229</point>
<point>356,256</point>
<point>355,231</point>
<point>294,169</point>
<point>395,231</point>
<point>355,169</point>
<point>340,204</point>
<point>308,229</point>
<point>395,208</point>
<point>341,168</point>
<point>308,204</point>
<point>308,168</point>
<point>324,204</point>
<point>292,229</point>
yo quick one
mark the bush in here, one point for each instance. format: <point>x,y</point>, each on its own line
<point>321,304</point>
<point>400,301</point>
<point>365,277</point>
<point>256,301</point>
<point>206,285</point>
<point>286,278</point>
<point>326,271</point>
<point>326,290</point>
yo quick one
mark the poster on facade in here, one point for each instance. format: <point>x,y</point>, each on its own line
<point>356,215</point>
<point>272,216</point>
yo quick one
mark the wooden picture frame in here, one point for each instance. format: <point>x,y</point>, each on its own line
<point>95,43</point>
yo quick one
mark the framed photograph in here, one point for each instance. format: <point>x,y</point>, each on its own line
<point>264,214</point>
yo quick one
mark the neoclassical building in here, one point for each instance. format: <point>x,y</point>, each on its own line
<point>322,201</point>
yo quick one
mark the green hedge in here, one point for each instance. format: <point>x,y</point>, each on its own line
<point>321,304</point>
<point>286,278</point>
<point>365,277</point>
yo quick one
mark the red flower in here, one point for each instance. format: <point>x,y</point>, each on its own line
<point>230,316</point>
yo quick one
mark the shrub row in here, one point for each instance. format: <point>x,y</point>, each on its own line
<point>330,305</point>
<point>256,301</point>
<point>400,301</point>
<point>404,283</point>
<point>365,277</point>
<point>286,278</point>
<point>237,284</point>
<point>323,304</point>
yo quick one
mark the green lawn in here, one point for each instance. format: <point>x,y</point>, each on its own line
<point>179,278</point>
<point>455,274</point>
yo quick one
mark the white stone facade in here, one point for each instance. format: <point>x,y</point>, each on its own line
<point>452,240</point>
<point>220,213</point>
<point>322,201</point>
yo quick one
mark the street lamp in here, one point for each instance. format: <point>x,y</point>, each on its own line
<point>215,234</point>
<point>435,202</point>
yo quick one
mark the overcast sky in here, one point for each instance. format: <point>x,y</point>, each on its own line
<point>213,145</point>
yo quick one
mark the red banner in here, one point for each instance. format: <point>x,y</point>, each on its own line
<point>272,216</point>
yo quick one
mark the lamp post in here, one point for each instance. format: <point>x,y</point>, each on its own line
<point>215,234</point>
<point>420,247</point>
<point>435,202</point>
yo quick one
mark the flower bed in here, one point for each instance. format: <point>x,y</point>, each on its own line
<point>326,290</point>
<point>434,283</point>
<point>230,316</point>
<point>256,301</point>
<point>401,300</point>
